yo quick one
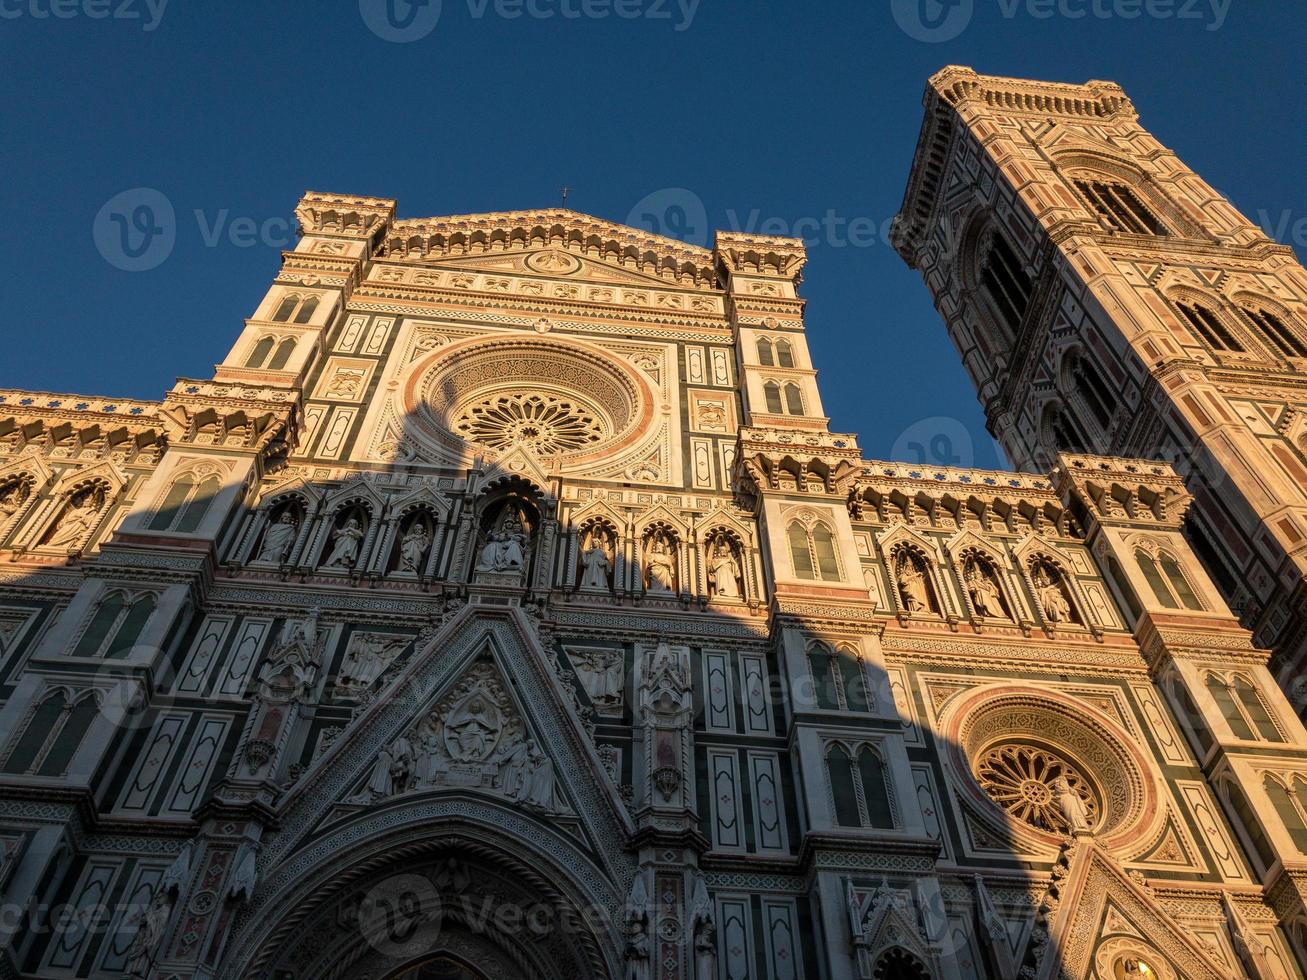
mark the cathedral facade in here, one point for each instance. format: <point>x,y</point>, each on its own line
<point>504,607</point>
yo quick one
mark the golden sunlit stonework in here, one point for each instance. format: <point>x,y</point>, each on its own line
<point>504,607</point>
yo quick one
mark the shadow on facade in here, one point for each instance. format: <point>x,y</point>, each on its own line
<point>411,726</point>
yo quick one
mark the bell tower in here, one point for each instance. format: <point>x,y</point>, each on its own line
<point>1106,299</point>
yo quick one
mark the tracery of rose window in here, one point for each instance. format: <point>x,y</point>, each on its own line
<point>1021,779</point>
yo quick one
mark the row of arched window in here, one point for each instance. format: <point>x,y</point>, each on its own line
<point>859,786</point>
<point>783,398</point>
<point>271,352</point>
<point>777,353</point>
<point>116,626</point>
<point>1221,332</point>
<point>295,309</point>
<point>51,734</point>
<point>812,551</point>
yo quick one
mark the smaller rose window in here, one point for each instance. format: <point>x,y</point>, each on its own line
<point>543,422</point>
<point>1021,779</point>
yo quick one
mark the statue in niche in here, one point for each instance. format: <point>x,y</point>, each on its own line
<point>368,657</point>
<point>986,597</point>
<point>346,541</point>
<point>660,564</point>
<point>724,572</point>
<point>506,549</point>
<point>596,559</point>
<point>278,539</point>
<point>637,930</point>
<point>703,929</point>
<point>413,547</point>
<point>149,930</point>
<point>601,674</point>
<point>1073,808</point>
<point>75,522</point>
<point>913,587</point>
<point>1052,595</point>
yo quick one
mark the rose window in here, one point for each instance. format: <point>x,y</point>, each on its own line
<point>543,422</point>
<point>1021,779</point>
<point>556,398</point>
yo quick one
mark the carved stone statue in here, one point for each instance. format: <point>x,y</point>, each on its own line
<point>986,598</point>
<point>535,786</point>
<point>660,565</point>
<point>505,550</point>
<point>703,929</point>
<point>1052,599</point>
<point>601,674</point>
<point>413,547</point>
<point>278,540</point>
<point>724,572</point>
<point>1072,806</point>
<point>150,927</point>
<point>912,586</point>
<point>346,539</point>
<point>595,561</point>
<point>75,523</point>
<point>11,498</point>
<point>472,730</point>
<point>393,771</point>
<point>637,930</point>
<point>368,657</point>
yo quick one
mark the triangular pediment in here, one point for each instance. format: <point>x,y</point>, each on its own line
<point>452,727</point>
<point>1102,912</point>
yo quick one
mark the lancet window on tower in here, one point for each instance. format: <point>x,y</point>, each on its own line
<point>1282,337</point>
<point>1209,327</point>
<point>1119,208</point>
<point>1006,283</point>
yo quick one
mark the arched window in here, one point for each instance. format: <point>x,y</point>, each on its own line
<point>772,391</point>
<point>1251,825</point>
<point>286,309</point>
<point>259,355</point>
<point>1084,376</point>
<point>859,787</point>
<point>1006,284</point>
<point>1197,724</point>
<point>186,503</point>
<point>793,400</point>
<point>875,792</point>
<point>1179,584</point>
<point>115,627</point>
<point>765,357</point>
<point>1119,208</point>
<point>843,789</point>
<point>1285,340</point>
<point>1208,326</point>
<point>53,733</point>
<point>1289,809</point>
<point>1243,709</point>
<point>283,354</point>
<point>307,310</point>
<point>839,683</point>
<point>813,551</point>
<point>801,551</point>
<point>1153,575</point>
<point>784,354</point>
<point>1063,431</point>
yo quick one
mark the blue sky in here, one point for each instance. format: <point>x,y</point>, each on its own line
<point>775,115</point>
